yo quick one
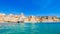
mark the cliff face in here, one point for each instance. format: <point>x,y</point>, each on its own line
<point>16,18</point>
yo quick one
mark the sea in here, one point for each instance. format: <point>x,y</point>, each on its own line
<point>30,28</point>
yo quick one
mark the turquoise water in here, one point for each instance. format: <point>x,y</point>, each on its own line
<point>30,28</point>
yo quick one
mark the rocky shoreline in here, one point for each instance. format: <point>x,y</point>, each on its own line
<point>21,18</point>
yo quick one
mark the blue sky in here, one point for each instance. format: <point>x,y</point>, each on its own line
<point>31,7</point>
